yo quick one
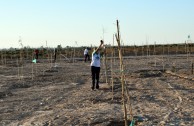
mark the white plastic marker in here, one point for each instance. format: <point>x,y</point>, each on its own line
<point>34,61</point>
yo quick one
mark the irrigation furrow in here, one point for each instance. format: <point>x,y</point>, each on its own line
<point>165,118</point>
<point>158,88</point>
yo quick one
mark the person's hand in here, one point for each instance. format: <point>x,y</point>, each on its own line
<point>101,41</point>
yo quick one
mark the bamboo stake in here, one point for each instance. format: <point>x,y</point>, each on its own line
<point>18,69</point>
<point>2,57</point>
<point>11,55</point>
<point>185,47</point>
<point>27,52</point>
<point>51,60</point>
<point>147,50</point>
<point>168,52</point>
<point>142,50</point>
<point>122,73</point>
<point>112,79</point>
<point>114,51</point>
<point>155,53</point>
<point>5,62</point>
<point>163,57</point>
<point>32,68</point>
<point>176,57</point>
<point>105,58</point>
<point>21,62</point>
<point>105,63</point>
<point>60,57</point>
<point>72,60</point>
<point>74,55</point>
<point>128,98</point>
<point>187,51</point>
<point>192,68</point>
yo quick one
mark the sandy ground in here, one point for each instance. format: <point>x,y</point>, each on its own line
<point>161,90</point>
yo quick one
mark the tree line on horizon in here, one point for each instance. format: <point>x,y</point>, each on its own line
<point>135,50</point>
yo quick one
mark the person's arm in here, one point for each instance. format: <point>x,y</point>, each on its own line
<point>101,43</point>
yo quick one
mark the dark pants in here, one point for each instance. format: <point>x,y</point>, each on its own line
<point>36,56</point>
<point>95,76</point>
<point>55,57</point>
<point>87,57</point>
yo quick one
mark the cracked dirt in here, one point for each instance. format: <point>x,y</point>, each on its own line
<point>44,94</point>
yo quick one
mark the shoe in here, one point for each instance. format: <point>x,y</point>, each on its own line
<point>92,87</point>
<point>97,86</point>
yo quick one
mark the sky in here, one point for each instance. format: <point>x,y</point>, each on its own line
<point>49,23</point>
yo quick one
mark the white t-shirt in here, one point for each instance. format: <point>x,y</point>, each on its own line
<point>85,51</point>
<point>95,59</point>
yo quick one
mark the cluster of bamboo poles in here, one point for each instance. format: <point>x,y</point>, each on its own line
<point>125,93</point>
<point>19,60</point>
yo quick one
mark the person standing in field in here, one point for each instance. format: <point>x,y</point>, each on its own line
<point>86,55</point>
<point>95,66</point>
<point>36,52</point>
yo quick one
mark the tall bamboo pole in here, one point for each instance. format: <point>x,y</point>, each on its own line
<point>105,58</point>
<point>73,54</point>
<point>187,50</point>
<point>114,51</point>
<point>147,50</point>
<point>21,59</point>
<point>51,59</point>
<point>128,98</point>
<point>2,57</point>
<point>32,75</point>
<point>18,69</point>
<point>112,79</point>
<point>5,58</point>
<point>168,52</point>
<point>122,73</point>
<point>105,63</point>
<point>142,50</point>
<point>155,53</point>
<point>163,57</point>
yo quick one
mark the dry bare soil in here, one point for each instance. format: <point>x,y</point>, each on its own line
<point>161,90</point>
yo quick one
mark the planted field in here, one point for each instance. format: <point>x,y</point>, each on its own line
<point>161,91</point>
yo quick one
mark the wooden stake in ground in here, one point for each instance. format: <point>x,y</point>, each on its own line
<point>2,57</point>
<point>105,58</point>
<point>32,66</point>
<point>191,68</point>
<point>128,98</point>
<point>163,57</point>
<point>112,79</point>
<point>74,55</point>
<point>105,63</point>
<point>21,62</point>
<point>155,53</point>
<point>122,73</point>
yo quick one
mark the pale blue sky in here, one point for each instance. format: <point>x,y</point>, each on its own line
<point>68,21</point>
